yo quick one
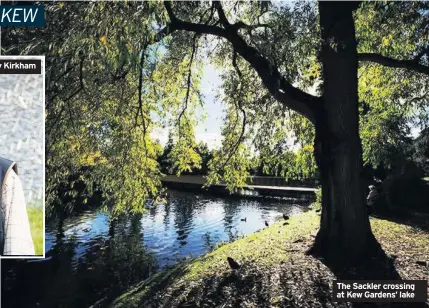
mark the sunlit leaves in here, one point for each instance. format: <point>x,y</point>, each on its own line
<point>100,121</point>
<point>97,125</point>
<point>391,99</point>
<point>230,168</point>
<point>395,29</point>
<point>184,156</point>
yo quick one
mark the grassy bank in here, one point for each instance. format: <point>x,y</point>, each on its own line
<point>274,271</point>
<point>35,217</point>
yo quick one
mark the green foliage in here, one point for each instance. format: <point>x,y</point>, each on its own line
<point>164,159</point>
<point>232,170</point>
<point>299,165</point>
<point>35,218</point>
<point>317,204</point>
<point>169,160</point>
<point>112,81</point>
<point>401,32</point>
<point>391,99</point>
<point>107,91</point>
<point>319,196</point>
<point>184,154</point>
<point>386,112</point>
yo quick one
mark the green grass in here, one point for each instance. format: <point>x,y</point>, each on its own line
<point>276,251</point>
<point>261,249</point>
<point>35,217</point>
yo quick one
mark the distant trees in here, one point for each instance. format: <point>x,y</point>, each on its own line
<point>167,163</point>
<point>295,166</point>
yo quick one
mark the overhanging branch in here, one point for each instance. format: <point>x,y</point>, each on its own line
<point>188,83</point>
<point>276,84</point>
<point>412,65</point>
<point>221,13</point>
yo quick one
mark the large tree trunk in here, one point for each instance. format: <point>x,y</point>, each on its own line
<point>345,232</point>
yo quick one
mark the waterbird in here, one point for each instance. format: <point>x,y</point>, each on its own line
<point>232,263</point>
<point>244,219</point>
<point>266,224</point>
<point>285,216</point>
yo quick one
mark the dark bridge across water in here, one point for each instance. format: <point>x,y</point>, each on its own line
<point>261,186</point>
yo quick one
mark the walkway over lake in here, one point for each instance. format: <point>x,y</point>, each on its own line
<point>261,186</point>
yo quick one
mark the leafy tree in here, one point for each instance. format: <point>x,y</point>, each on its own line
<point>206,155</point>
<point>167,160</point>
<point>299,165</point>
<point>117,71</point>
<point>164,162</point>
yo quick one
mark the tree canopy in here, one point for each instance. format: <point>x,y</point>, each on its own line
<point>118,71</point>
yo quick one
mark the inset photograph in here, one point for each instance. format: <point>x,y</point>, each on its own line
<point>22,157</point>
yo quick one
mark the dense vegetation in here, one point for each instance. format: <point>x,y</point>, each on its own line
<point>346,80</point>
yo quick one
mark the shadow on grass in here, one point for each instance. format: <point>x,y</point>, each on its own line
<point>297,280</point>
<point>250,286</point>
<point>381,267</point>
<point>229,289</point>
<point>306,283</point>
<point>147,291</point>
<point>418,221</point>
<point>290,284</point>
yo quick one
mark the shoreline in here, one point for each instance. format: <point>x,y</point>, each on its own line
<point>274,269</point>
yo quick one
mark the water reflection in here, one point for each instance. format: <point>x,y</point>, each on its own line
<point>91,258</point>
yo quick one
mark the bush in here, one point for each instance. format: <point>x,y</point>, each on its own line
<point>317,204</point>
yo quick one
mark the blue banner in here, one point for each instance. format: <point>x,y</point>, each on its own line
<point>22,16</point>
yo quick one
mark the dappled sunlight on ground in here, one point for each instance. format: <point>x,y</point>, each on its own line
<point>275,272</point>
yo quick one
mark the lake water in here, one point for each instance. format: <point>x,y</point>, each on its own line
<point>91,259</point>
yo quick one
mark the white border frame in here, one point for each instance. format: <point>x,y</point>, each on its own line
<point>42,58</point>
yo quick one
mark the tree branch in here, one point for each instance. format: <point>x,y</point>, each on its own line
<point>188,83</point>
<point>221,13</point>
<point>276,84</point>
<point>140,95</point>
<point>242,25</point>
<point>239,140</point>
<point>412,65</point>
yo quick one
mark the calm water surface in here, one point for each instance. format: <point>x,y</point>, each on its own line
<point>91,259</point>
